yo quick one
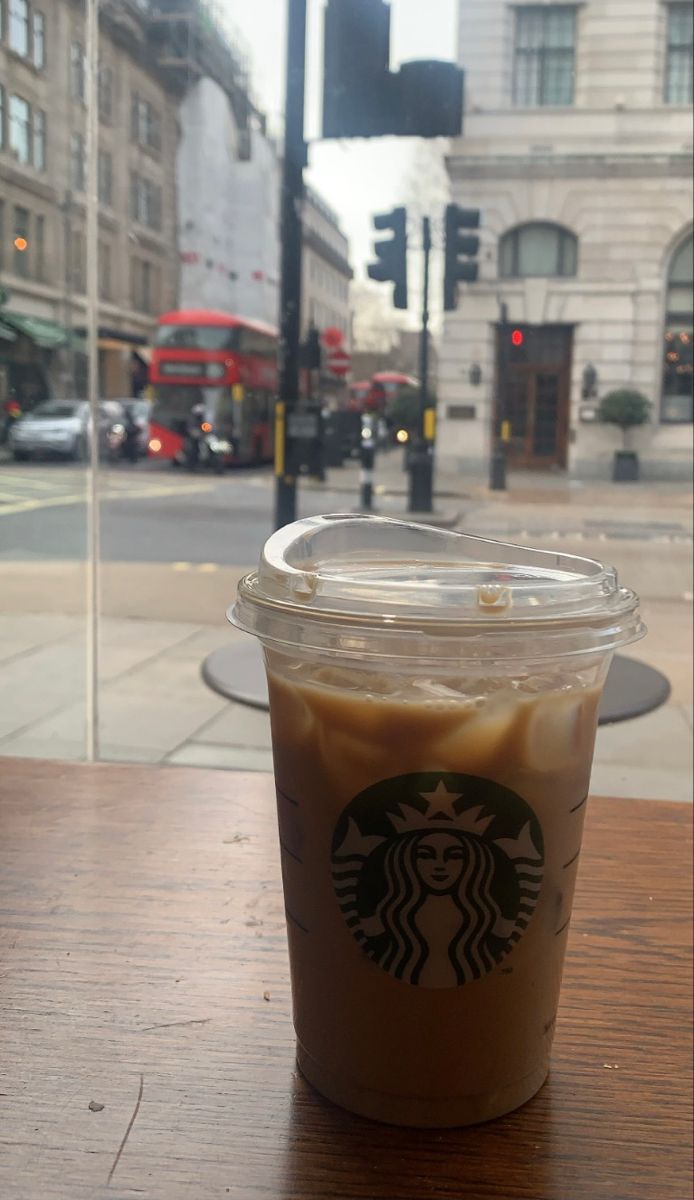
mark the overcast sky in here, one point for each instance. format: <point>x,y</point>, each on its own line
<point>358,178</point>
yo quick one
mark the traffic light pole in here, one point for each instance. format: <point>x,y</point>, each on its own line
<point>421,458</point>
<point>497,464</point>
<point>290,269</point>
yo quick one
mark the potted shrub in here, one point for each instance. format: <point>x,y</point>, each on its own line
<point>627,409</point>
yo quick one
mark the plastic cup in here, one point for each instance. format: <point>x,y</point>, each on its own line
<point>433,699</point>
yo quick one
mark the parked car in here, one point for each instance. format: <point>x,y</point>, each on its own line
<point>61,427</point>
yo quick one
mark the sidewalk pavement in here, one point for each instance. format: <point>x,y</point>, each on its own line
<point>155,708</point>
<point>158,625</point>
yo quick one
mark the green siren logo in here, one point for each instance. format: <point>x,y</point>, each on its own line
<point>437,875</point>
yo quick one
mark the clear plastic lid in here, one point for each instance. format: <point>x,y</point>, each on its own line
<point>376,586</point>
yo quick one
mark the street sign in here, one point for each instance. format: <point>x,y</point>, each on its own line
<point>302,425</point>
<point>338,363</point>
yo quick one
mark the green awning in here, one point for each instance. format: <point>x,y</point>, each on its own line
<point>7,334</point>
<point>46,334</point>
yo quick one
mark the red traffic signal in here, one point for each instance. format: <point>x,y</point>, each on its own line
<point>517,337</point>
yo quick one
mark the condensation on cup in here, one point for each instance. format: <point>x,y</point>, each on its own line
<point>434,700</point>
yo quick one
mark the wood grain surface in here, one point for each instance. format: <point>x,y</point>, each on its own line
<point>146,1045</point>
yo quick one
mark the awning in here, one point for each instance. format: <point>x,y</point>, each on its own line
<point>46,334</point>
<point>7,334</point>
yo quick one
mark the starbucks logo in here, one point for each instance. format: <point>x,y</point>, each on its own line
<point>437,875</point>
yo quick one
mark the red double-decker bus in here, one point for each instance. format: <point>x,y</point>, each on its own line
<point>225,363</point>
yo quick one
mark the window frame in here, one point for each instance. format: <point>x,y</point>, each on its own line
<point>78,73</point>
<point>676,320</point>
<point>567,247</point>
<point>38,15</point>
<point>23,162</point>
<point>104,175</point>
<point>542,54</point>
<point>24,231</point>
<point>78,158</point>
<point>38,138</point>
<point>683,50</point>
<point>25,21</point>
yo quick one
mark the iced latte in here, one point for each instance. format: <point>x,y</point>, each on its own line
<point>433,725</point>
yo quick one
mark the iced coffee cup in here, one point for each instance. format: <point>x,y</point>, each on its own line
<point>433,699</point>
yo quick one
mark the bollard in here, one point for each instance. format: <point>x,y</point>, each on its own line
<point>366,474</point>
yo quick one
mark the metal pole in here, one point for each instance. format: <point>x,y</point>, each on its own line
<point>92,330</point>
<point>422,454</point>
<point>497,464</point>
<point>290,270</point>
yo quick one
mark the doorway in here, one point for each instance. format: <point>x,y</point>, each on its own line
<point>533,393</point>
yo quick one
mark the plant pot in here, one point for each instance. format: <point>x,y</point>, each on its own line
<point>625,467</point>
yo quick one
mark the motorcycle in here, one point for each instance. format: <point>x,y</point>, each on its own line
<point>207,451</point>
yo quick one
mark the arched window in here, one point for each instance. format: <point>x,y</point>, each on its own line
<point>537,249</point>
<point>676,404</point>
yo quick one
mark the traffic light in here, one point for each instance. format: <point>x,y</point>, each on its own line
<point>392,254</point>
<point>461,251</point>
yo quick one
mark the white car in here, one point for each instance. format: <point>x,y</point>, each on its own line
<point>61,427</point>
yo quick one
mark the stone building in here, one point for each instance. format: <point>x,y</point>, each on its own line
<point>43,176</point>
<point>327,273</point>
<point>577,150</point>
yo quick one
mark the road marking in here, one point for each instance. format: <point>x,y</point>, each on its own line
<point>207,568</point>
<point>67,498</point>
<point>180,566</point>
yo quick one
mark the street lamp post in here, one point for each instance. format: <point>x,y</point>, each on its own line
<point>290,269</point>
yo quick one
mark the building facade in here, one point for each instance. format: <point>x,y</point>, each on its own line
<point>326,270</point>
<point>43,178</point>
<point>577,151</point>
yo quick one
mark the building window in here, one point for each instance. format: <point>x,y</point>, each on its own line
<point>538,249</point>
<point>104,271</point>
<point>21,243</point>
<point>20,130</point>
<point>145,124</point>
<point>77,261</point>
<point>105,93</point>
<point>680,47</point>
<point>544,56</point>
<point>78,171</point>
<point>19,26</point>
<point>3,136</point>
<point>77,71</point>
<point>678,363</point>
<point>38,140</point>
<point>105,177</point>
<point>145,201</point>
<point>144,286</point>
<point>40,248</point>
<point>38,40</point>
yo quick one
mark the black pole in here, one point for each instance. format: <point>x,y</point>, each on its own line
<point>422,453</point>
<point>290,268</point>
<point>366,477</point>
<point>497,464</point>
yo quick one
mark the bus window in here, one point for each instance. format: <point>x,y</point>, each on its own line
<point>197,337</point>
<point>257,343</point>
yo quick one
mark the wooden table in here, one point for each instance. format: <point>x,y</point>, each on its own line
<point>145,1033</point>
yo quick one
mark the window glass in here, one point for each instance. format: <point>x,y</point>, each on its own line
<point>77,162</point>
<point>77,70</point>
<point>38,40</point>
<point>20,130</point>
<point>544,56</point>
<point>678,363</point>
<point>197,337</point>
<point>538,249</point>
<point>680,47</point>
<point>39,139</point>
<point>18,24</point>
